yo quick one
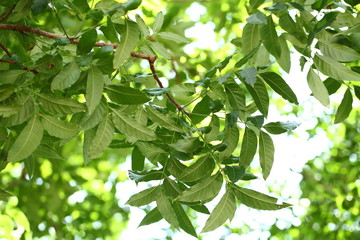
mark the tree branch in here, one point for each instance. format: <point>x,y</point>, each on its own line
<point>7,13</point>
<point>5,50</point>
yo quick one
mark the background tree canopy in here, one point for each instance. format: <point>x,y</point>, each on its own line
<point>90,88</point>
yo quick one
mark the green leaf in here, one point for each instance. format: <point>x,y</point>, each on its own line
<point>27,109</point>
<point>6,90</point>
<point>257,18</point>
<point>146,176</point>
<point>334,69</point>
<point>270,38</point>
<point>284,60</point>
<point>357,91</point>
<point>224,210</point>
<point>137,159</point>
<point>203,167</point>
<point>327,19</point>
<point>163,120</point>
<point>172,189</point>
<point>204,190</point>
<point>235,173</point>
<point>278,84</point>
<point>130,128</point>
<point>11,76</point>
<point>318,88</point>
<point>249,75</point>
<point>184,220</point>
<point>129,40</point>
<point>58,128</point>
<point>257,121</point>
<point>30,166</point>
<point>339,52</point>
<point>142,26</point>
<point>27,141</point>
<point>94,88</point>
<point>332,85</point>
<point>87,42</point>
<point>88,137</point>
<point>60,106</point>
<point>144,197</point>
<point>47,153</point>
<point>345,107</point>
<point>248,56</point>
<point>4,195</point>
<point>260,96</point>
<point>90,121</point>
<point>158,22</point>
<point>6,110</point>
<point>151,217</point>
<point>235,96</point>
<point>152,152</point>
<point>66,77</point>
<point>38,6</point>
<point>126,95</point>
<point>231,139</point>
<point>248,147</point>
<point>250,43</point>
<point>215,127</point>
<point>156,91</point>
<point>201,110</point>
<point>102,138</point>
<point>159,48</point>
<point>186,145</point>
<point>266,152</point>
<point>257,200</point>
<point>132,4</point>
<point>173,37</point>
<point>280,127</point>
<point>166,209</point>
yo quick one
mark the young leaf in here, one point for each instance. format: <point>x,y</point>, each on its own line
<point>203,167</point>
<point>257,200</point>
<point>235,96</point>
<point>224,210</point>
<point>126,95</point>
<point>86,42</point>
<point>60,106</point>
<point>142,26</point>
<point>270,38</point>
<point>58,128</point>
<point>159,20</point>
<point>66,77</point>
<point>345,107</point>
<point>27,141</point>
<point>131,128</point>
<point>280,127</point>
<point>184,220</point>
<point>94,88</point>
<point>129,40</point>
<point>151,217</point>
<point>137,159</point>
<point>173,37</point>
<point>144,197</point>
<point>248,147</point>
<point>204,190</point>
<point>318,88</point>
<point>162,119</point>
<point>102,138</point>
<point>278,84</point>
<point>166,209</point>
<point>266,152</point>
<point>334,69</point>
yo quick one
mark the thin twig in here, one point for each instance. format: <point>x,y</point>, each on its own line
<point>24,67</point>
<point>5,50</point>
<point>8,13</point>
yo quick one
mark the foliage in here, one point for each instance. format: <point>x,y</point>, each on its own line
<point>74,71</point>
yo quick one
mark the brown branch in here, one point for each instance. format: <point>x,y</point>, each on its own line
<point>7,13</point>
<point>151,58</point>
<point>7,61</point>
<point>24,67</point>
<point>5,50</point>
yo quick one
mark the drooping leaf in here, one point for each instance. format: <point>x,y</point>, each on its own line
<point>129,40</point>
<point>201,110</point>
<point>159,48</point>
<point>266,152</point>
<point>339,52</point>
<point>131,128</point>
<point>94,88</point>
<point>137,159</point>
<point>257,200</point>
<point>145,176</point>
<point>151,217</point>
<point>235,96</point>
<point>215,127</point>
<point>162,119</point>
<point>102,138</point>
<point>30,166</point>
<point>158,22</point>
<point>66,77</point>
<point>318,88</point>
<point>27,141</point>
<point>90,121</point>
<point>203,167</point>
<point>260,96</point>
<point>186,145</point>
<point>183,219</point>
<point>60,106</point>
<point>144,197</point>
<point>248,56</point>
<point>270,38</point>
<point>126,95</point>
<point>357,91</point>
<point>334,69</point>
<point>166,209</point>
<point>224,210</point>
<point>88,137</point>
<point>250,42</point>
<point>326,20</point>
<point>172,188</point>
<point>257,121</point>
<point>173,37</point>
<point>47,153</point>
<point>152,152</point>
<point>234,172</point>
<point>86,42</point>
<point>204,190</point>
<point>280,127</point>
<point>332,85</point>
<point>249,75</point>
<point>231,139</point>
<point>345,107</point>
<point>58,128</point>
<point>248,147</point>
<point>278,84</point>
<point>284,60</point>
